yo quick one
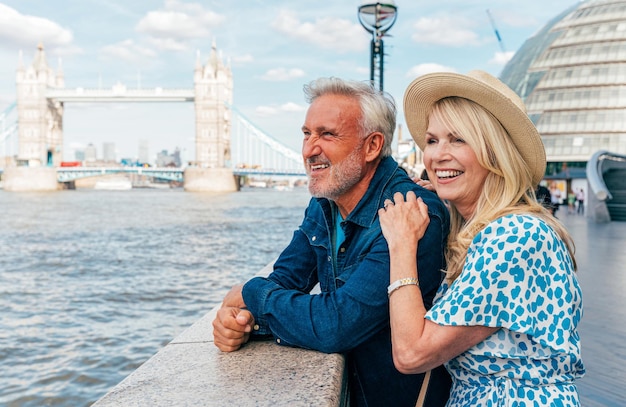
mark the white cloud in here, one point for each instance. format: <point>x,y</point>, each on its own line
<point>423,69</point>
<point>25,30</point>
<point>292,107</point>
<point>282,74</point>
<point>173,26</point>
<point>288,107</point>
<point>328,33</point>
<point>127,50</point>
<point>501,58</point>
<point>447,31</point>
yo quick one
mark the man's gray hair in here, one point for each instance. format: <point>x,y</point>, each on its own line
<point>378,109</point>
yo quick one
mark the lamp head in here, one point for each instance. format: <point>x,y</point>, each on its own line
<point>378,17</point>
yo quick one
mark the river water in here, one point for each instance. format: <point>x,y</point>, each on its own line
<point>93,283</point>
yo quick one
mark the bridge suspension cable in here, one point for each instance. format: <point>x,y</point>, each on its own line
<point>8,131</point>
<point>251,147</point>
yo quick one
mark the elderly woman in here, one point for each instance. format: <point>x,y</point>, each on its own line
<point>506,317</point>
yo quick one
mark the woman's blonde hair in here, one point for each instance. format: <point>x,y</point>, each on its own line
<point>508,188</point>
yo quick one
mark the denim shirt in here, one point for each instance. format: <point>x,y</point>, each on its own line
<point>351,314</point>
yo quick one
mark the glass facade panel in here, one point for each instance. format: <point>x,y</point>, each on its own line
<point>577,98</point>
<point>600,121</point>
<point>572,77</point>
<point>579,54</point>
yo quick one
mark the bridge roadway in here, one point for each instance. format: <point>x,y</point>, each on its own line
<point>191,371</point>
<point>66,174</point>
<point>120,93</point>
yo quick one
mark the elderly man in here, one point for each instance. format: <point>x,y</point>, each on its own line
<point>348,131</point>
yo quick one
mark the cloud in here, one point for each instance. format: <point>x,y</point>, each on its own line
<point>501,58</point>
<point>289,107</point>
<point>448,31</point>
<point>282,74</point>
<point>26,30</point>
<point>423,69</point>
<point>172,27</point>
<point>292,107</point>
<point>328,32</point>
<point>128,50</point>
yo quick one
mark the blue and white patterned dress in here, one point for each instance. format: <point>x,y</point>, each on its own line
<point>519,276</point>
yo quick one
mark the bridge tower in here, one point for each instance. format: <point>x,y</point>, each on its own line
<point>40,129</point>
<point>213,96</point>
<point>213,89</point>
<point>40,126</point>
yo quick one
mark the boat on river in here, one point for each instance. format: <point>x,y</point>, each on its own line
<point>113,184</point>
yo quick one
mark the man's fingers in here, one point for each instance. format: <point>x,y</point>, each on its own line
<point>245,319</point>
<point>229,343</point>
<point>231,328</point>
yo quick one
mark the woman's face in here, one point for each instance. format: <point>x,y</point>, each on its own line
<point>453,167</point>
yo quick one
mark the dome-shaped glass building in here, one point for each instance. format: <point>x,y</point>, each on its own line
<point>572,77</point>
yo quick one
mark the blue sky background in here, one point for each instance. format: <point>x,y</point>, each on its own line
<point>274,47</point>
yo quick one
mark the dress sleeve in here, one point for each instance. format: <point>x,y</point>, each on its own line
<point>517,275</point>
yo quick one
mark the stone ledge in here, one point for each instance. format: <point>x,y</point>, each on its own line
<point>190,370</point>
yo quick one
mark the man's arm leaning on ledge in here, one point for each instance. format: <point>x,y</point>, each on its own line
<point>190,370</point>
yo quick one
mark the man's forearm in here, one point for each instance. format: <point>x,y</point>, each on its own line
<point>234,298</point>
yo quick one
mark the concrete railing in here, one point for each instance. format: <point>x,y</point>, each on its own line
<point>191,371</point>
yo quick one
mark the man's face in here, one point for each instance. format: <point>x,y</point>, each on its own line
<point>332,148</point>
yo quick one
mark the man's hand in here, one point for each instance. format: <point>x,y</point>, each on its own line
<point>234,297</point>
<point>231,328</point>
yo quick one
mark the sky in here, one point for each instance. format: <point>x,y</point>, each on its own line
<point>274,47</point>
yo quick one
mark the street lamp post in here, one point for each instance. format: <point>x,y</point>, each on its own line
<point>377,18</point>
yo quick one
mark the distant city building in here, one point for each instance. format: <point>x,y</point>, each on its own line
<point>572,77</point>
<point>176,158</point>
<point>90,153</point>
<point>144,151</point>
<point>108,152</point>
<point>409,155</point>
<point>164,159</point>
<point>79,154</point>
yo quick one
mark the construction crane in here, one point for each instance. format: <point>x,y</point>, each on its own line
<point>495,30</point>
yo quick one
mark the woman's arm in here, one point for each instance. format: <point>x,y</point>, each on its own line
<point>418,344</point>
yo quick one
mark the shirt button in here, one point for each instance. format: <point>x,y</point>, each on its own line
<point>314,238</point>
<point>255,327</point>
<point>343,249</point>
<point>278,340</point>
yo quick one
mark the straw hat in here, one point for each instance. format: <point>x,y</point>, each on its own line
<point>488,92</point>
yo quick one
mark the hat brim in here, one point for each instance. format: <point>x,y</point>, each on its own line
<point>424,91</point>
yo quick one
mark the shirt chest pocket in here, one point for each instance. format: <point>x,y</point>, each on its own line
<point>347,266</point>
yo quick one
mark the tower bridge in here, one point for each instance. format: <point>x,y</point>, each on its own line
<point>226,143</point>
<point>120,93</point>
